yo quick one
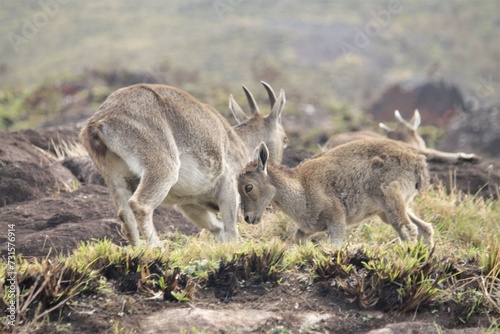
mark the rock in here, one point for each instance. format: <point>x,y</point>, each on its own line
<point>422,328</point>
<point>177,320</point>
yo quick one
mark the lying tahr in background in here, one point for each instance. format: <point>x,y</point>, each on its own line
<point>406,133</point>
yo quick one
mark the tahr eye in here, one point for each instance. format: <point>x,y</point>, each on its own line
<point>285,140</point>
<point>248,188</point>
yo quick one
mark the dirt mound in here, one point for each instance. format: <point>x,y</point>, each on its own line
<point>24,181</point>
<point>28,171</point>
<point>482,179</point>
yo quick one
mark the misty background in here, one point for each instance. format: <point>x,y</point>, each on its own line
<point>335,59</point>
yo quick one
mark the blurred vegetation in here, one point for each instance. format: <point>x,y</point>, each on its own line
<point>285,42</point>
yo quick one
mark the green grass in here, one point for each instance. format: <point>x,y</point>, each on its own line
<point>372,268</point>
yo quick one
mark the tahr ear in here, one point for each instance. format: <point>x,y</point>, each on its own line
<point>399,117</point>
<point>279,105</point>
<point>263,156</point>
<point>415,120</point>
<point>238,113</point>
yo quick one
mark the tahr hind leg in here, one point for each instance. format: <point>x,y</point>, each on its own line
<point>154,186</point>
<point>120,193</point>
<point>394,212</point>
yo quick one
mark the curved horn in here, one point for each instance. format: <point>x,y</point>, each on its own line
<point>270,93</point>
<point>251,101</point>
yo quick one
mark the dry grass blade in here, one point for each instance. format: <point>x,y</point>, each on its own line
<point>490,283</point>
<point>50,288</point>
<point>67,149</point>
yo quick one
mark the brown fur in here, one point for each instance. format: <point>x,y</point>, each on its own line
<point>343,138</point>
<point>154,144</point>
<point>340,187</point>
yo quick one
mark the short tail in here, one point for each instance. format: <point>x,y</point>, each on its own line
<point>93,140</point>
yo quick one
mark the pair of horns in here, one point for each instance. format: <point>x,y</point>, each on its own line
<point>251,100</point>
<point>413,123</point>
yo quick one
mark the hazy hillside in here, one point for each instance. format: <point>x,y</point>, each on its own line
<point>349,49</point>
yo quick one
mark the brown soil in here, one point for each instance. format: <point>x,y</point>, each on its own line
<point>481,179</point>
<point>53,210</point>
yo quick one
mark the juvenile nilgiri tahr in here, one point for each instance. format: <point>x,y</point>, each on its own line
<point>340,187</point>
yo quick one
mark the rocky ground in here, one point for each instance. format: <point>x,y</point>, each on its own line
<point>55,202</point>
